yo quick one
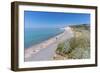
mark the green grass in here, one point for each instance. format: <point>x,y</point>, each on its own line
<point>77,47</point>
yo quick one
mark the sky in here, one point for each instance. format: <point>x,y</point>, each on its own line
<point>36,19</point>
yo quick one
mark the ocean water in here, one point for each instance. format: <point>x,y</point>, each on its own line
<point>34,36</point>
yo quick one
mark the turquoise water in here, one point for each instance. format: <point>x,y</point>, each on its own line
<point>34,36</point>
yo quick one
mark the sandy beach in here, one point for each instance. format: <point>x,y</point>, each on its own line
<point>48,44</point>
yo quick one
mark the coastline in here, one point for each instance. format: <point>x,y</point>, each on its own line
<point>29,52</point>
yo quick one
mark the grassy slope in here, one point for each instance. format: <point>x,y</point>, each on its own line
<point>77,47</point>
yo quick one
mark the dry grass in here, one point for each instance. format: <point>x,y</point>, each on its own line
<point>78,47</point>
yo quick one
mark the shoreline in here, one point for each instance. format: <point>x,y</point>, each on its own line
<point>45,44</point>
<point>48,38</point>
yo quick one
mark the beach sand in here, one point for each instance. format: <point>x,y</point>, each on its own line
<point>54,41</point>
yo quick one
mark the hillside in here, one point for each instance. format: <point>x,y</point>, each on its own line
<point>77,47</point>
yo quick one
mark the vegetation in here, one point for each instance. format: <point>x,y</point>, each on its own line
<point>82,27</point>
<point>77,47</point>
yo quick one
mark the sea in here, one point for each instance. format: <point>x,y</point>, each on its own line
<point>33,36</point>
